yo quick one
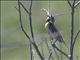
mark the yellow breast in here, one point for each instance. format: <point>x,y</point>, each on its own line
<point>46,25</point>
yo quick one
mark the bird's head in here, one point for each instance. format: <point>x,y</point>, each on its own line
<point>50,19</point>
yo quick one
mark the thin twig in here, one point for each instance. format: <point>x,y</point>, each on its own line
<point>20,19</point>
<point>40,44</point>
<point>54,46</point>
<point>76,4</point>
<point>76,38</point>
<point>38,52</point>
<point>24,7</point>
<point>72,30</point>
<point>69,3</point>
<point>35,46</point>
<point>73,3</point>
<point>30,19</point>
<point>42,51</point>
<point>50,56</point>
<point>56,54</point>
<point>61,56</point>
<point>49,51</point>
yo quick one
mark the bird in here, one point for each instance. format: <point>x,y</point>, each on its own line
<point>53,31</point>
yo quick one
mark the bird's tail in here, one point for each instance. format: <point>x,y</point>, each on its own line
<point>65,44</point>
<point>62,40</point>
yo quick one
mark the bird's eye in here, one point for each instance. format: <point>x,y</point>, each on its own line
<point>47,20</point>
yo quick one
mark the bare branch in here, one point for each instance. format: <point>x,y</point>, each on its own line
<point>31,52</point>
<point>50,56</point>
<point>73,3</point>
<point>24,7</point>
<point>54,46</point>
<point>30,19</point>
<point>72,30</point>
<point>33,42</point>
<point>35,46</point>
<point>56,54</point>
<point>76,38</point>
<point>49,50</point>
<point>77,4</point>
<point>20,19</point>
<point>69,3</point>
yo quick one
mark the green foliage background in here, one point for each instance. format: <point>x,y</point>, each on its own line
<point>15,45</point>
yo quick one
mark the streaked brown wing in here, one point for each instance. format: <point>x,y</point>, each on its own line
<point>54,33</point>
